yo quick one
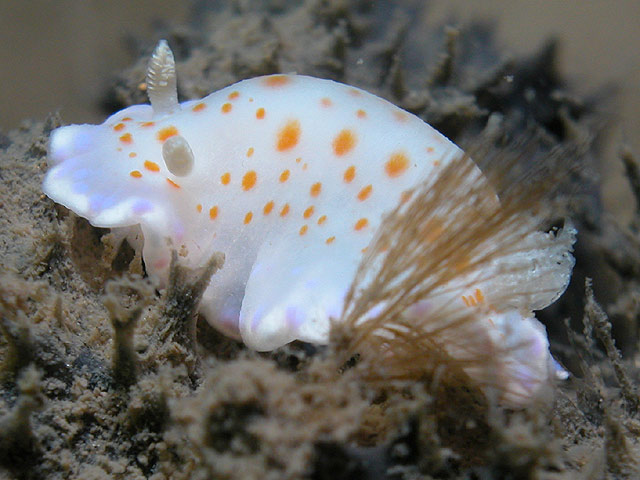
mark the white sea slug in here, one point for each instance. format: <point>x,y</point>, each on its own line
<point>289,176</point>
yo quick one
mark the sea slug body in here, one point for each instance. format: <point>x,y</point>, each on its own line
<point>289,176</point>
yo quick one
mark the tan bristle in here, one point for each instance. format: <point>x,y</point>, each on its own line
<point>445,237</point>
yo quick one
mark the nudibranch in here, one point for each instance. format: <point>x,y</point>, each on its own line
<point>289,176</point>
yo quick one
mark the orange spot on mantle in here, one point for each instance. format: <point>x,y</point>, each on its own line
<point>268,207</point>
<point>303,230</point>
<point>198,107</point>
<point>249,180</point>
<point>285,210</point>
<point>233,95</point>
<point>349,174</point>
<point>397,164</point>
<point>226,108</point>
<point>172,183</point>
<point>126,138</point>
<point>213,212</point>
<point>284,176</point>
<point>276,80</point>
<point>344,142</point>
<point>247,218</point>
<point>288,136</point>
<point>401,117</point>
<point>365,193</point>
<point>322,219</point>
<point>315,189</point>
<point>151,166</point>
<point>135,174</point>
<point>166,132</point>
<point>308,212</point>
<point>225,178</point>
<point>330,240</point>
<point>360,224</point>
<point>260,113</point>
<point>119,126</point>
